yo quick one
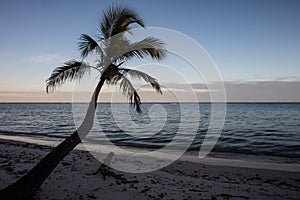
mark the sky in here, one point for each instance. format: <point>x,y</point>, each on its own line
<point>254,44</point>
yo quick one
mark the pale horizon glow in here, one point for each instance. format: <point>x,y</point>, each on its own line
<point>260,91</point>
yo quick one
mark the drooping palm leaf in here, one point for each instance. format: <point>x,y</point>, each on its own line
<point>117,20</point>
<point>126,17</point>
<point>71,70</point>
<point>149,46</point>
<point>87,44</point>
<point>136,74</point>
<point>127,88</point>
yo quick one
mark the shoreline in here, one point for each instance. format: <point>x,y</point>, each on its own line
<point>223,151</point>
<point>185,178</point>
<point>214,158</point>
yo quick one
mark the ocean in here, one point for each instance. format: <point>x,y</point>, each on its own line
<point>250,129</point>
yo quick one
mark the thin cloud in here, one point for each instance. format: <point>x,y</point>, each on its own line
<point>263,91</point>
<point>47,58</point>
<point>288,78</point>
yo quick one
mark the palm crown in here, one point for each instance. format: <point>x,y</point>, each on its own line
<point>112,49</point>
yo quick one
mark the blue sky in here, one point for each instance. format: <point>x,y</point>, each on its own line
<point>248,40</point>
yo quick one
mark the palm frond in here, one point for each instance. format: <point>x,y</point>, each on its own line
<point>136,74</point>
<point>87,44</point>
<point>117,20</point>
<point>127,89</point>
<point>71,70</point>
<point>149,46</point>
<point>115,79</point>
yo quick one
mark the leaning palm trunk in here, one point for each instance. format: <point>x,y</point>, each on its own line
<point>26,187</point>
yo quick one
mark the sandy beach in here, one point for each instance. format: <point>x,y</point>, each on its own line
<point>187,178</point>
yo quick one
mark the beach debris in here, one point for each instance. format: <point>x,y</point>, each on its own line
<point>107,171</point>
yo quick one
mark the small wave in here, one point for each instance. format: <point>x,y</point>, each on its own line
<point>31,134</point>
<point>255,152</point>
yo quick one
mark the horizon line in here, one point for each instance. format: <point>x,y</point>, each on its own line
<point>123,102</point>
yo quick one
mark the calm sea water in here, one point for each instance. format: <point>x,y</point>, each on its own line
<point>271,129</point>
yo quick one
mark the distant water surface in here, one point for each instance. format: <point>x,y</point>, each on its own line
<point>269,129</point>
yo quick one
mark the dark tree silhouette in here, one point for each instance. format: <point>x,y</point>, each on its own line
<point>112,49</point>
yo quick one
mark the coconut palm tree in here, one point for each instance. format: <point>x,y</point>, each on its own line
<point>112,49</point>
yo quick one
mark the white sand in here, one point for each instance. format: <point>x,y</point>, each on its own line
<point>187,178</point>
